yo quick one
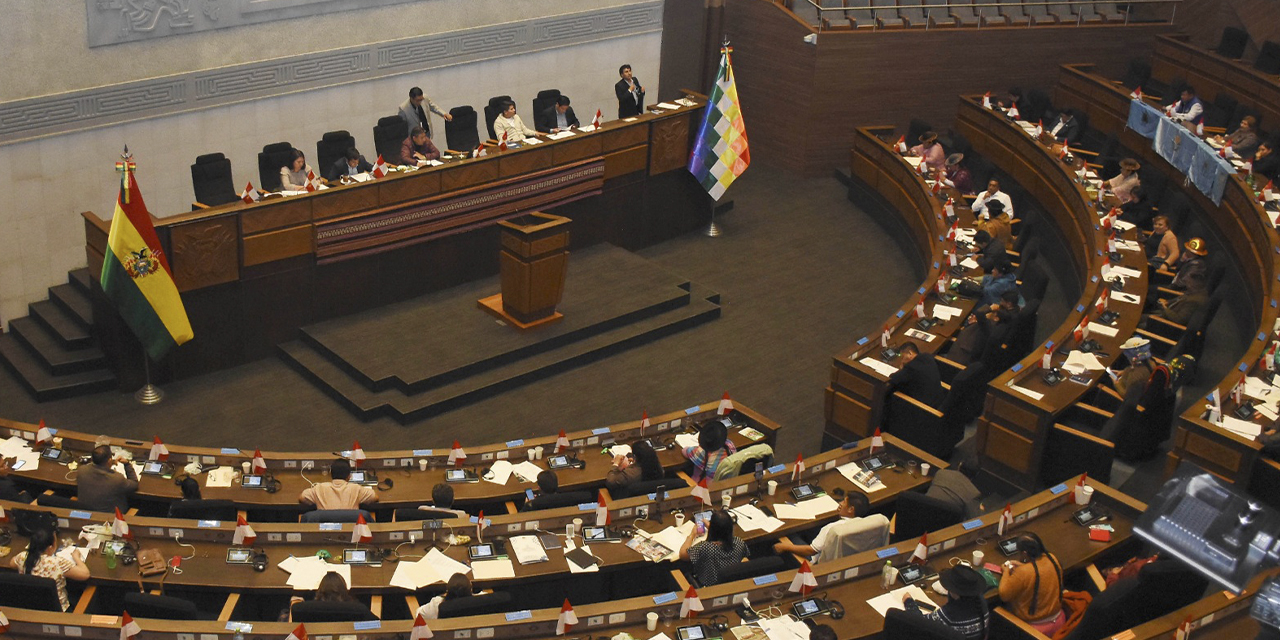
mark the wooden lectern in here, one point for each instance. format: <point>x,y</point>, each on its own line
<point>533,260</point>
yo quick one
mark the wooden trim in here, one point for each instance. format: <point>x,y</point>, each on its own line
<point>86,597</point>
<point>229,607</point>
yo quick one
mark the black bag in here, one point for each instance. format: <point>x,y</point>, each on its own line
<point>969,289</point>
<point>28,522</point>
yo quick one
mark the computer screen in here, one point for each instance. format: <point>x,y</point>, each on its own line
<point>357,477</point>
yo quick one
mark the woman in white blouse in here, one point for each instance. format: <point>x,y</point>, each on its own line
<point>293,176</point>
<point>511,124</point>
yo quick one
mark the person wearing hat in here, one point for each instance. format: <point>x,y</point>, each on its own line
<point>1123,184</point>
<point>1162,245</point>
<point>1067,129</point>
<point>996,224</point>
<point>993,193</point>
<point>1031,585</point>
<point>966,609</point>
<point>957,176</point>
<point>1193,261</point>
<point>999,279</point>
<point>931,150</point>
<point>1138,351</point>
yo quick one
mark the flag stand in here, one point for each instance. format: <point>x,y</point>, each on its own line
<point>712,230</point>
<point>149,393</point>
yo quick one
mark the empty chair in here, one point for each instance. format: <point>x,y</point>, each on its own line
<point>388,135</point>
<point>160,607</point>
<point>1268,60</point>
<point>272,157</point>
<point>1036,106</point>
<point>1061,12</point>
<point>915,129</point>
<point>854,536</point>
<point>991,15</point>
<point>646,487</point>
<point>859,14</point>
<point>963,12</point>
<point>1038,14</point>
<point>1109,12</point>
<point>460,133</point>
<point>24,591</point>
<point>1218,113</point>
<point>1160,587</point>
<point>1086,12</point>
<point>752,568</point>
<point>545,100</point>
<point>912,14</point>
<point>492,111</point>
<point>917,513</point>
<point>336,515</point>
<point>211,180</point>
<point>330,147</point>
<point>224,510</point>
<point>887,13</point>
<point>940,16</point>
<point>1070,452</point>
<point>495,602</point>
<point>917,423</point>
<point>1014,14</point>
<point>833,14</point>
<point>1136,74</point>
<point>1232,43</point>
<point>330,611</point>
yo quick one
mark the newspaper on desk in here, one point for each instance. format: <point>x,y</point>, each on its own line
<point>850,471</point>
<point>526,471</point>
<point>1078,362</point>
<point>499,472</point>
<point>879,367</point>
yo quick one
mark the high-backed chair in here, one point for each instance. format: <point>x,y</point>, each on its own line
<point>854,536</point>
<point>1137,74</point>
<point>1012,11</point>
<point>388,136</point>
<point>545,100</point>
<point>318,611</point>
<point>941,16</point>
<point>911,13</point>
<point>915,129</point>
<point>917,513</point>
<point>1159,588</point>
<point>270,160</point>
<point>1268,60</point>
<point>224,510</point>
<point>1069,452</point>
<point>24,591</point>
<point>860,14</point>
<point>1109,12</point>
<point>886,12</point>
<point>211,180</point>
<point>330,147</point>
<point>1232,43</point>
<point>1217,114</point>
<point>160,607</point>
<point>752,568</point>
<point>963,12</point>
<point>492,111</point>
<point>991,15</point>
<point>1039,15</point>
<point>495,602</point>
<point>460,133</point>
<point>335,515</point>
<point>647,487</point>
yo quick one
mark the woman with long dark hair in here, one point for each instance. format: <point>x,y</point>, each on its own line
<point>1032,587</point>
<point>712,448</point>
<point>718,552</point>
<point>642,465</point>
<point>39,560</point>
<point>459,586</point>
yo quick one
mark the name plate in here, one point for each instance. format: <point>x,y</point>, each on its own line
<point>887,553</point>
<point>773,577</point>
<point>665,598</point>
<point>1058,489</point>
<point>421,452</point>
<point>208,524</point>
<point>230,451</point>
<point>971,525</point>
<point>516,616</point>
<point>600,431</point>
<point>330,526</point>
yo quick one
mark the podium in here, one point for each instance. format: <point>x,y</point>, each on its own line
<point>533,262</point>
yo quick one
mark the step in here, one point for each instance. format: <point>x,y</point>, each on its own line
<point>367,404</point>
<point>50,350</point>
<point>45,386</point>
<point>74,302</point>
<point>81,279</point>
<point>60,322</point>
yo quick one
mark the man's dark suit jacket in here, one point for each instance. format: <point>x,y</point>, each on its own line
<point>1069,133</point>
<point>339,168</point>
<point>627,106</point>
<point>546,120</point>
<point>921,380</point>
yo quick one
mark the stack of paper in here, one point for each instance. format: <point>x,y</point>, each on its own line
<point>528,549</point>
<point>220,477</point>
<point>499,472</point>
<point>561,135</point>
<point>433,568</point>
<point>498,569</point>
<point>945,313</point>
<point>806,509</point>
<point>1103,329</point>
<point>1125,271</point>
<point>1034,395</point>
<point>1240,427</point>
<point>686,440</point>
<point>619,449</point>
<point>532,140</point>
<point>526,471</point>
<point>969,263</point>
<point>879,367</point>
<point>16,447</point>
<point>570,552</point>
<point>751,518</point>
<point>850,471</point>
<point>306,572</point>
<point>784,628</point>
<point>913,160</point>
<point>893,600</point>
<point>1079,362</point>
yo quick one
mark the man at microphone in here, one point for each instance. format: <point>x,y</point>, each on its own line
<point>630,93</point>
<point>338,493</point>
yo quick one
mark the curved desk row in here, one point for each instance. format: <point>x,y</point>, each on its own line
<point>851,580</point>
<point>412,486</point>
<point>1246,234</point>
<point>1212,73</point>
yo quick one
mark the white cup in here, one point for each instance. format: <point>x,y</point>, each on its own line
<point>577,524</point>
<point>651,621</point>
<point>422,465</point>
<point>978,558</point>
<point>773,487</point>
<point>537,451</point>
<point>569,531</point>
<point>1084,495</point>
<point>531,454</point>
<point>726,500</point>
<point>679,520</point>
<point>246,467</point>
<point>924,469</point>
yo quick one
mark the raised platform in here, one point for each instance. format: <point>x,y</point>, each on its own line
<point>427,355</point>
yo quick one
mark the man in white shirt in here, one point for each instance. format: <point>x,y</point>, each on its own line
<point>509,123</point>
<point>993,192</point>
<point>853,506</point>
<point>1189,109</point>
<point>338,493</point>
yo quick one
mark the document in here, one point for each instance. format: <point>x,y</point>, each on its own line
<point>587,129</point>
<point>668,106</point>
<point>686,440</point>
<point>969,263</point>
<point>1079,362</point>
<point>881,368</point>
<point>526,471</point>
<point>1125,271</point>
<point>784,628</point>
<point>528,549</point>
<point>1128,245</point>
<point>945,313</point>
<point>443,565</point>
<point>619,449</point>
<point>1240,427</point>
<point>493,570</point>
<point>414,575</point>
<point>1122,225</point>
<point>532,140</point>
<point>499,472</point>
<point>913,161</point>
<point>1125,297</point>
<point>580,560</point>
<point>893,600</point>
<point>806,509</point>
<point>220,477</point>
<point>561,135</point>
<point>751,518</point>
<point>1103,329</point>
<point>1258,388</point>
<point>1034,395</point>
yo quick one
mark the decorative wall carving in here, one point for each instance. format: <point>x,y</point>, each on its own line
<point>208,253</point>
<point>43,116</point>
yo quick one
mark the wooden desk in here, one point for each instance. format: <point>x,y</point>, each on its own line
<point>252,274</point>
<point>1014,426</point>
<point>412,486</point>
<point>1243,230</point>
<point>1213,74</point>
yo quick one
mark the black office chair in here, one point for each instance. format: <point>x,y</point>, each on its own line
<point>330,147</point>
<point>1137,74</point>
<point>1218,113</point>
<point>752,568</point>
<point>918,513</point>
<point>211,180</point>
<point>270,160</point>
<point>557,500</point>
<point>146,605</point>
<point>646,487</point>
<point>492,111</point>
<point>1070,452</point>
<point>418,515</point>
<point>23,591</point>
<point>336,515</point>
<point>1268,60</point>
<point>57,501</point>
<point>313,611</point>
<point>908,625</point>
<point>495,602</point>
<point>915,129</point>
<point>1232,43</point>
<point>388,136</point>
<point>461,133</point>
<point>1160,587</point>
<point>546,98</point>
<point>224,510</point>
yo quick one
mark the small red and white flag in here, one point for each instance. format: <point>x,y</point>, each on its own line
<point>595,122</point>
<point>300,633</point>
<point>901,146</point>
<point>357,455</point>
<point>502,145</point>
<point>877,441</point>
<point>313,183</point>
<point>798,468</point>
<point>1200,128</point>
<point>885,334</point>
<point>1237,392</point>
<point>602,511</point>
<point>4,623</point>
<point>250,195</point>
<point>158,450</point>
<point>701,491</point>
<point>986,100</point>
<point>479,151</point>
<point>43,433</point>
<point>804,582</point>
<point>361,533</point>
<point>921,554</point>
<point>1064,151</point>
<point>1100,306</point>
<point>1184,630</point>
<point>481,523</point>
<point>380,168</point>
<point>120,528</point>
<point>1111,242</point>
<point>1268,190</point>
<point>691,604</point>
<point>943,283</point>
<point>1136,94</point>
<point>949,208</point>
<point>644,422</point>
<point>1078,333</point>
<point>1046,361</point>
<point>562,442</point>
<point>4,517</point>
<point>1226,152</point>
<point>922,168</point>
<point>952,258</point>
<point>954,230</point>
<point>920,307</point>
<point>1006,519</point>
<point>726,405</point>
<point>456,455</point>
<point>1269,357</point>
<point>244,535</point>
<point>259,465</point>
<point>567,618</point>
<point>1039,128</point>
<point>1013,111</point>
<point>937,185</point>
<point>420,629</point>
<point>128,628</point>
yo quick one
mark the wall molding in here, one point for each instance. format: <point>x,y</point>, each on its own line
<point>59,114</point>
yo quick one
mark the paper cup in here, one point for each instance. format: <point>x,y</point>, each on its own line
<point>651,621</point>
<point>773,487</point>
<point>422,465</point>
<point>531,454</point>
<point>537,451</point>
<point>978,558</point>
<point>569,531</point>
<point>246,467</point>
<point>924,468</point>
<point>1084,495</point>
<point>726,500</point>
<point>679,520</point>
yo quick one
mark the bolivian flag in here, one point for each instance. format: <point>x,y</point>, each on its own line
<point>136,274</point>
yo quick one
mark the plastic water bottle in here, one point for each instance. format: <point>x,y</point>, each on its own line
<point>886,575</point>
<point>111,556</point>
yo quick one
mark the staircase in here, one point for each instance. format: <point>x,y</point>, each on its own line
<point>52,351</point>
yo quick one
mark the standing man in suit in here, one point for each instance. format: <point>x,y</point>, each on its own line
<point>919,377</point>
<point>414,115</point>
<point>630,93</point>
<point>1068,128</point>
<point>557,117</point>
<point>350,164</point>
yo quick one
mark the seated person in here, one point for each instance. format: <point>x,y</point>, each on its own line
<point>556,118</point>
<point>100,488</point>
<point>459,586</point>
<point>350,164</point>
<point>718,552</point>
<point>1266,162</point>
<point>935,158</point>
<point>852,508</point>
<point>956,486</point>
<point>957,176</point>
<point>1244,140</point>
<point>190,487</point>
<point>822,632</point>
<point>1194,260</point>
<point>987,249</point>
<point>993,193</point>
<point>9,490</point>
<point>1181,308</point>
<point>712,448</point>
<point>1031,585</point>
<point>966,609</point>
<point>442,500</point>
<point>1188,109</point>
<point>1137,210</point>
<point>548,485</point>
<point>1162,245</point>
<point>1137,350</point>
<point>508,127</point>
<point>1126,181</point>
<point>418,148</point>
<point>333,588</point>
<point>981,331</point>
<point>1014,97</point>
<point>640,465</point>
<point>39,560</point>
<point>996,224</point>
<point>919,376</point>
<point>1067,128</point>
<point>293,175</point>
<point>338,493</point>
<point>997,282</point>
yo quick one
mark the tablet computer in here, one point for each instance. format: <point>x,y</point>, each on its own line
<point>559,462</point>
<point>599,534</point>
<point>805,492</point>
<point>116,546</point>
<point>809,608</point>
<point>365,477</point>
<point>1008,547</point>
<point>482,552</point>
<point>237,555</point>
<point>153,468</point>
<point>51,454</point>
<point>876,463</point>
<point>695,632</point>
<point>360,556</point>
<point>913,573</point>
<point>1086,515</point>
<point>460,475</point>
<point>252,482</point>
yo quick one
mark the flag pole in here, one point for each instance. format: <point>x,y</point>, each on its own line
<point>712,230</point>
<point>149,394</point>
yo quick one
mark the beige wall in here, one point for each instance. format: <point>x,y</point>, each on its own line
<point>46,183</point>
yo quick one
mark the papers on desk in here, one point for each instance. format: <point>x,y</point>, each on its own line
<point>879,367</point>
<point>1267,412</point>
<point>497,569</point>
<point>686,440</point>
<point>945,313</point>
<point>499,472</point>
<point>433,568</point>
<point>430,163</point>
<point>66,552</point>
<point>913,160</point>
<point>850,471</point>
<point>531,140</point>
<point>966,233</point>
<point>1079,362</point>
<point>16,447</point>
<point>969,263</point>
<point>1259,389</point>
<point>1240,427</point>
<point>306,572</point>
<point>560,135</point>
<point>751,518</point>
<point>647,547</point>
<point>1103,329</point>
<point>619,449</point>
<point>806,509</point>
<point>1128,245</point>
<point>580,560</point>
<point>587,129</point>
<point>220,477</point>
<point>1125,297</point>
<point>1125,271</point>
<point>1122,225</point>
<point>1034,395</point>
<point>784,628</point>
<point>669,106</point>
<point>360,177</point>
<point>526,471</point>
<point>893,600</point>
<point>685,102</point>
<point>672,538</point>
<point>528,549</point>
